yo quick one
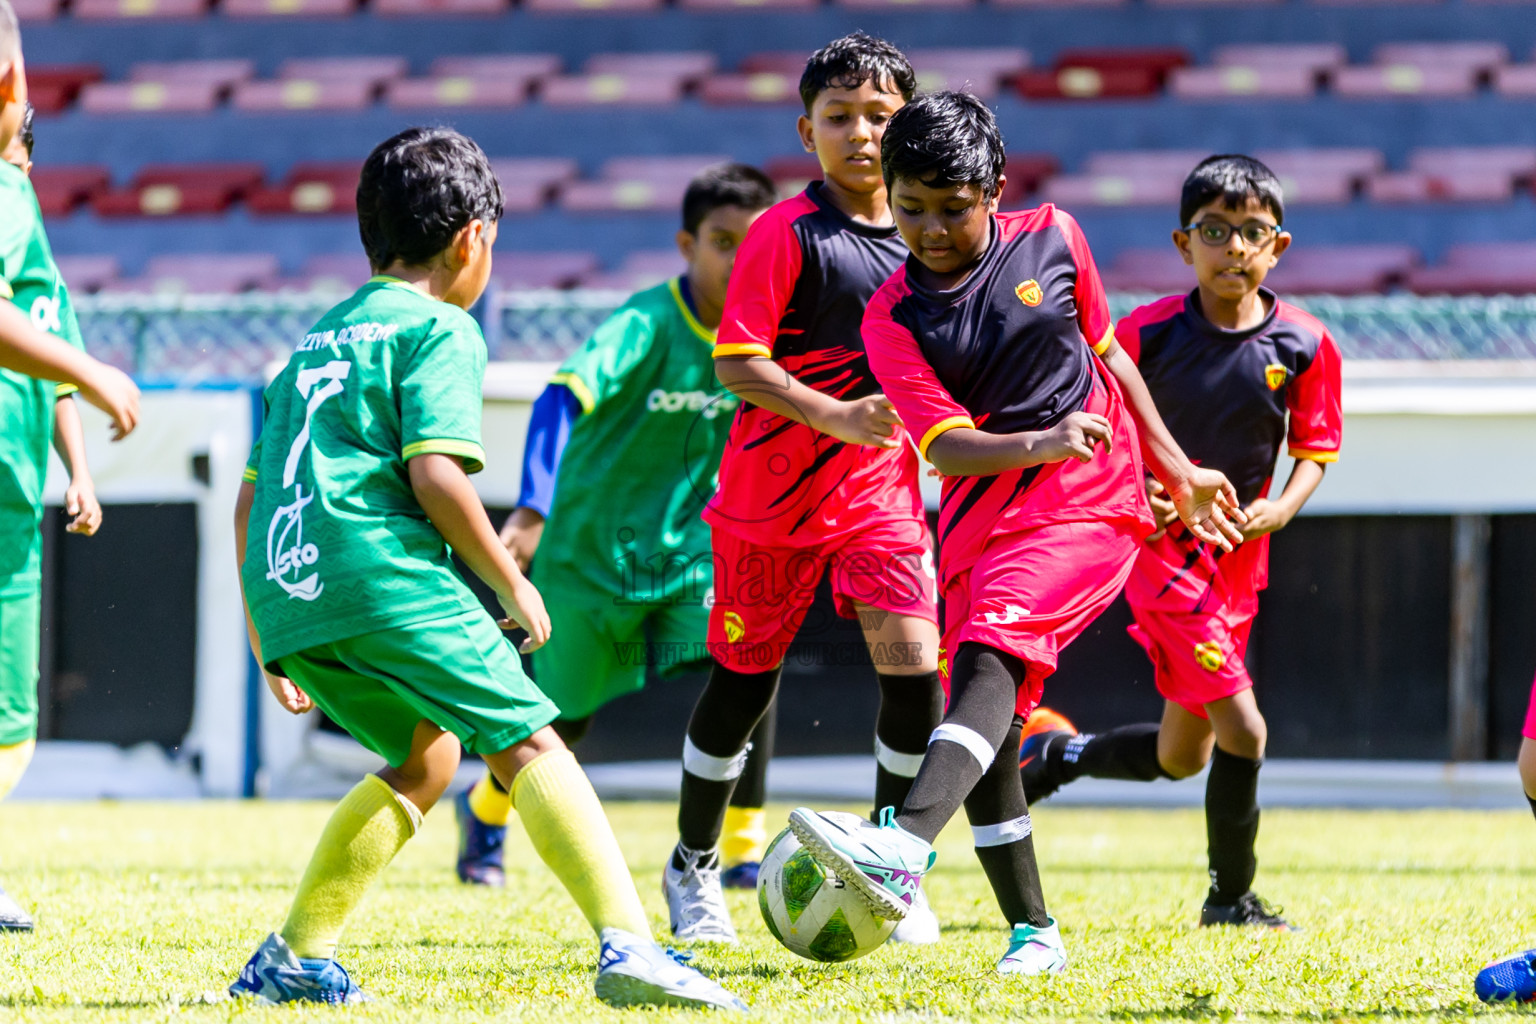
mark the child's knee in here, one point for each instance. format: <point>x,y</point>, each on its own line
<point>1182,762</point>
<point>1246,737</point>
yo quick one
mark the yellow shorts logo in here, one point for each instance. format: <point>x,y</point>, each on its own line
<point>735,629</point>
<point>1274,376</point>
<point>943,664</point>
<point>1029,292</point>
<point>1209,656</point>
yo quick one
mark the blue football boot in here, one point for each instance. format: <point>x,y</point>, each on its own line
<point>1510,980</point>
<point>741,876</point>
<point>480,846</point>
<point>274,975</point>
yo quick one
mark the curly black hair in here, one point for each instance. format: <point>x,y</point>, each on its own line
<point>944,139</point>
<point>419,189</point>
<point>849,62</point>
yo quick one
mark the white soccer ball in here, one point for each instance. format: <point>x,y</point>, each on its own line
<point>811,911</point>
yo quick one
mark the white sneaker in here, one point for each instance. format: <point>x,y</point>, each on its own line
<point>12,917</point>
<point>1033,951</point>
<point>921,926</point>
<point>634,971</point>
<point>695,900</point>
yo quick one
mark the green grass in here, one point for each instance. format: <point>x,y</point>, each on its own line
<point>144,908</point>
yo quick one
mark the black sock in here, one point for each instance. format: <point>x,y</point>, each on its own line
<point>752,788</point>
<point>723,720</point>
<point>911,707</point>
<point>1129,752</point>
<point>1231,824</point>
<point>1532,801</point>
<point>1004,843</point>
<point>984,687</point>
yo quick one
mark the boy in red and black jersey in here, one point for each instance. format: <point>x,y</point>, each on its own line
<point>994,341</point>
<point>1238,374</point>
<point>818,475</point>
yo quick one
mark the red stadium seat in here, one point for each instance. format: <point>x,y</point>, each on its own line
<point>1103,74</point>
<point>519,270</point>
<point>36,10</point>
<point>303,94</point>
<point>1158,60</point>
<point>312,189</point>
<point>687,65</point>
<point>61,188</point>
<point>1466,184</point>
<point>203,273</point>
<point>520,66</point>
<point>149,97</point>
<point>1314,57</point>
<point>87,273</point>
<point>433,8</point>
<point>111,10</point>
<point>1240,82</point>
<point>1392,81</point>
<point>219,73</point>
<point>611,90</point>
<point>1477,57</point>
<point>53,87</point>
<point>178,190</point>
<point>591,6</point>
<point>783,62</point>
<point>288,8</point>
<point>1071,190</point>
<point>1342,269</point>
<point>762,87</point>
<point>981,71</point>
<point>455,91</point>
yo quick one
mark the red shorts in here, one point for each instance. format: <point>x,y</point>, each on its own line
<point>1031,593</point>
<point>762,593</point>
<point>1529,732</point>
<point>1196,657</point>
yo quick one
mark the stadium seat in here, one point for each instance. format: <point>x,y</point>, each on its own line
<point>1477,57</point>
<point>433,8</point>
<point>518,66</point>
<point>1517,161</point>
<point>1394,81</point>
<point>1158,269</point>
<point>312,189</point>
<point>288,8</point>
<point>36,10</point>
<point>1342,269</point>
<point>1479,269</point>
<point>165,190</point>
<point>680,168</point>
<point>1072,190</point>
<point>635,183</point>
<point>591,6</point>
<point>981,70</point>
<point>686,65</point>
<point>371,70</point>
<point>736,89</point>
<point>791,174</point>
<point>211,273</point>
<point>1463,184</point>
<point>542,172</point>
<point>640,269</point>
<point>109,10</point>
<point>85,274</point>
<point>326,272</point>
<point>611,90</point>
<point>518,270</point>
<point>303,94</point>
<point>1102,74</point>
<point>1243,82</point>
<point>901,5</point>
<point>1315,57</point>
<point>783,62</point>
<point>755,5</point>
<point>53,87</point>
<point>1354,162</point>
<point>1173,164</point>
<point>61,188</point>
<point>1515,80</point>
<point>456,91</point>
<point>150,97</point>
<point>1060,3</point>
<point>219,73</point>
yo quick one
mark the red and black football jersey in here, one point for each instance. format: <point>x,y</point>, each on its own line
<point>802,279</point>
<point>1011,349</point>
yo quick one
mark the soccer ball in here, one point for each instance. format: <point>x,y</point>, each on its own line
<point>811,911</point>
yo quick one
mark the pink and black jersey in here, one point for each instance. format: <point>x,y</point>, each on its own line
<point>1013,348</point>
<point>803,276</point>
<point>1231,399</point>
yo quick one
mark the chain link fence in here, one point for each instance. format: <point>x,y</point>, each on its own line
<point>230,339</point>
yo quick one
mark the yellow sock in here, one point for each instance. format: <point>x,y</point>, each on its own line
<point>13,764</point>
<point>366,830</point>
<point>489,804</point>
<point>572,835</point>
<point>745,836</point>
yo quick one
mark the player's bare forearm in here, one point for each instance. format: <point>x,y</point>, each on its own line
<point>1267,516</point>
<point>965,451</point>
<point>521,534</point>
<point>69,441</point>
<point>453,506</point>
<point>26,349</point>
<point>763,382</point>
<point>293,699</point>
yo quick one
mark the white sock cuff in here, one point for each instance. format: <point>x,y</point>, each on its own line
<point>897,763</point>
<point>968,738</point>
<point>1003,833</point>
<point>715,769</point>
<point>412,812</point>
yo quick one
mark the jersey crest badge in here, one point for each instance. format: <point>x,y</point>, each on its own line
<point>735,629</point>
<point>1029,292</point>
<point>1209,656</point>
<point>1275,375</point>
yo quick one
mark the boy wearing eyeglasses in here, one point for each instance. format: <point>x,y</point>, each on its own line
<point>1236,373</point>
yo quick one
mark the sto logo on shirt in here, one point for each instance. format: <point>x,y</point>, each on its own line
<point>735,629</point>
<point>1274,376</point>
<point>1029,292</point>
<point>1209,657</point>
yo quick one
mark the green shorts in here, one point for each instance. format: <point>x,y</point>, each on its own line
<point>20,626</point>
<point>459,673</point>
<point>598,648</point>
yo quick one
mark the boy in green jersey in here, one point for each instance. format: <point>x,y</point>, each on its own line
<point>622,452</point>
<point>355,491</point>
<point>39,344</point>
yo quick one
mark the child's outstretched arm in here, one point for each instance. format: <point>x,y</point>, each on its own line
<point>1205,498</point>
<point>453,506</point>
<point>1266,515</point>
<point>871,420</point>
<point>288,695</point>
<point>69,441</point>
<point>26,349</point>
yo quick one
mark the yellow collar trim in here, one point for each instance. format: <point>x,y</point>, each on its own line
<point>677,296</point>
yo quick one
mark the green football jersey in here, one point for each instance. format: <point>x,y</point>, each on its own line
<point>29,278</point>
<point>337,545</point>
<point>643,457</point>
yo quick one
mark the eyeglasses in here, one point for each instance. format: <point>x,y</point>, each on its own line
<point>1255,233</point>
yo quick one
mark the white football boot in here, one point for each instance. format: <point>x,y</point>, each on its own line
<point>921,925</point>
<point>634,971</point>
<point>1034,951</point>
<point>695,901</point>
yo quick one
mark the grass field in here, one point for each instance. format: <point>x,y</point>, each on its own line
<point>146,911</point>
